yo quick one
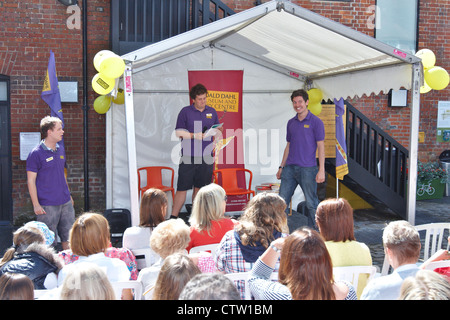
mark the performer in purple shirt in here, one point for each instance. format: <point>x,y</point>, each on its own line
<point>197,159</point>
<point>47,184</point>
<point>305,135</point>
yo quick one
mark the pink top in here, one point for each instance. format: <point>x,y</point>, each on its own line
<point>218,230</point>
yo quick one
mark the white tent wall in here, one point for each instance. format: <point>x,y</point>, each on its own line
<point>269,42</point>
<point>162,90</point>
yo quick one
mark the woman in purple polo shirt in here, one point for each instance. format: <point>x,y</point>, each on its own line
<point>197,160</point>
<point>305,135</point>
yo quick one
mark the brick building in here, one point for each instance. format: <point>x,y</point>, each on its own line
<point>28,32</point>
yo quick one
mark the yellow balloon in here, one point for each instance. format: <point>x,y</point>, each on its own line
<point>120,98</point>
<point>112,66</point>
<point>437,78</point>
<point>102,85</point>
<point>100,56</point>
<point>428,58</point>
<point>315,108</point>
<point>425,88</point>
<point>102,104</point>
<point>315,95</point>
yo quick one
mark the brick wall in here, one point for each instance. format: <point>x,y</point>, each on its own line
<point>29,30</point>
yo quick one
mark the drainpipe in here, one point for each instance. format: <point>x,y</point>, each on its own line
<point>85,109</point>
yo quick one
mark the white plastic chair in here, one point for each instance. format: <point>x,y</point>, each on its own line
<point>434,233</point>
<point>351,274</point>
<point>438,264</point>
<point>143,257</point>
<point>136,286</point>
<point>207,247</point>
<point>243,276</point>
<point>39,293</point>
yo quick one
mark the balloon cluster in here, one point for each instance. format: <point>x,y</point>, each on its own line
<point>110,67</point>
<point>315,99</point>
<point>436,78</point>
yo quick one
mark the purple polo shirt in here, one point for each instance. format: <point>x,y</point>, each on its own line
<point>51,183</point>
<point>194,121</point>
<point>303,136</point>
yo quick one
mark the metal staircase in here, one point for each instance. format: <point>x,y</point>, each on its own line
<point>377,164</point>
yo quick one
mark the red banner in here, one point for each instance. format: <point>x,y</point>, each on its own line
<point>225,96</point>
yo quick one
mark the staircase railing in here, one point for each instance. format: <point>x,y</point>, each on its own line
<point>377,162</point>
<point>137,23</point>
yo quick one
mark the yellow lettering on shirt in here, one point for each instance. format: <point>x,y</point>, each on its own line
<point>49,159</point>
<point>306,126</point>
<point>209,115</point>
<point>61,157</point>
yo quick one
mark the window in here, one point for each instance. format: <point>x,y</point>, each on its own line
<point>396,23</point>
<point>3,91</point>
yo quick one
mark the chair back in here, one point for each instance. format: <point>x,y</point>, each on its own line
<point>228,178</point>
<point>434,234</point>
<point>154,178</point>
<point>352,274</point>
<point>136,286</point>
<point>119,220</point>
<point>207,247</point>
<point>143,257</point>
<point>242,277</point>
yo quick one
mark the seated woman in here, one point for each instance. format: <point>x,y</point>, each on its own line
<point>30,256</point>
<point>152,212</point>
<point>16,286</point>
<point>263,221</point>
<point>89,240</point>
<point>334,217</point>
<point>207,220</point>
<point>305,272</point>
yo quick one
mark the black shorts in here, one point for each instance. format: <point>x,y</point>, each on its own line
<point>193,172</point>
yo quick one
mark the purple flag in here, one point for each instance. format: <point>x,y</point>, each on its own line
<point>341,146</point>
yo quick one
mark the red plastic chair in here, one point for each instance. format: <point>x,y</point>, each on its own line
<point>228,178</point>
<point>154,179</point>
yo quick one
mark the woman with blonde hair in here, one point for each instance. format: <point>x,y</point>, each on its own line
<point>89,239</point>
<point>425,285</point>
<point>176,271</point>
<point>207,220</point>
<point>305,273</point>
<point>263,221</point>
<point>86,281</point>
<point>152,212</point>
<point>334,218</point>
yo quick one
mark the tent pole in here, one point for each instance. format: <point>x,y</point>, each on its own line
<point>414,141</point>
<point>131,146</point>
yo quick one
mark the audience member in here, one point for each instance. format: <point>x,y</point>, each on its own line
<point>123,254</point>
<point>210,286</point>
<point>426,285</point>
<point>208,222</point>
<point>305,273</point>
<point>176,271</point>
<point>169,237</point>
<point>30,256</point>
<point>89,239</point>
<point>16,286</point>
<point>334,218</point>
<point>401,243</point>
<point>86,281</point>
<point>263,221</point>
<point>152,212</point>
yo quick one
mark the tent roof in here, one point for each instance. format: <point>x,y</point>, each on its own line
<point>295,41</point>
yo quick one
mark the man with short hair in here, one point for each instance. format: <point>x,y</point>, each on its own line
<point>305,135</point>
<point>197,160</point>
<point>401,243</point>
<point>47,183</point>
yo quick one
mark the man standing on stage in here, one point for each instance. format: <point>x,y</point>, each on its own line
<point>197,159</point>
<point>305,135</point>
<point>47,184</point>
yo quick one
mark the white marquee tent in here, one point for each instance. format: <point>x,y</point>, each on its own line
<point>281,47</point>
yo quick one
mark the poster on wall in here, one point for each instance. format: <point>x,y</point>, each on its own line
<point>225,96</point>
<point>443,122</point>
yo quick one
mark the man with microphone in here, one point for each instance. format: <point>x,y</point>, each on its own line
<point>197,159</point>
